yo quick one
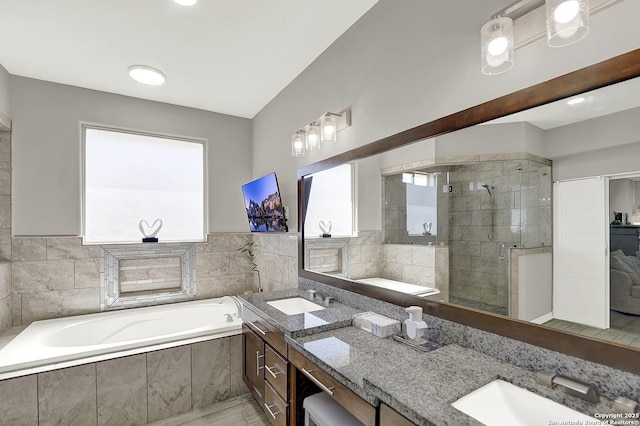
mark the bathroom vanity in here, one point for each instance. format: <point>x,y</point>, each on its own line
<point>378,380</point>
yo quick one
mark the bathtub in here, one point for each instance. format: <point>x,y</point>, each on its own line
<point>413,289</point>
<point>69,341</point>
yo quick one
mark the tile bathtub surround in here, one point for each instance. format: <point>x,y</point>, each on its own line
<point>127,267</point>
<point>610,382</point>
<point>131,390</point>
<point>58,276</point>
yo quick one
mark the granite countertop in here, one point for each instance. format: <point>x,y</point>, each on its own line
<point>336,315</point>
<point>420,386</point>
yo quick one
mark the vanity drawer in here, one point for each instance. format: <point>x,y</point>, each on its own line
<point>271,335</point>
<point>390,417</point>
<point>275,371</point>
<point>357,406</point>
<point>274,406</point>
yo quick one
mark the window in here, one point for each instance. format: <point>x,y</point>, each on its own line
<point>129,177</point>
<point>330,202</point>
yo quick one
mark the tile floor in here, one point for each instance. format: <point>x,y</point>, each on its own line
<point>242,410</point>
<point>625,329</point>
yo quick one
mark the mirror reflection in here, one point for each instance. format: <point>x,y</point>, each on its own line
<point>477,230</point>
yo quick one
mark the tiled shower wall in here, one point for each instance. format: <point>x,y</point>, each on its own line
<point>522,215</point>
<point>59,277</point>
<point>5,231</point>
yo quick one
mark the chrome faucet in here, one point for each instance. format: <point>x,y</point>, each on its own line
<point>585,391</point>
<point>323,298</point>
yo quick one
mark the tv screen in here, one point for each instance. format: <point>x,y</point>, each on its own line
<point>264,206</point>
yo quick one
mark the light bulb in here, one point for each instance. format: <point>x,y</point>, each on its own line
<point>186,2</point>
<point>498,45</point>
<point>566,11</point>
<point>298,145</point>
<point>328,126</point>
<point>328,129</point>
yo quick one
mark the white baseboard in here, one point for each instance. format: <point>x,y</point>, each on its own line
<point>544,318</point>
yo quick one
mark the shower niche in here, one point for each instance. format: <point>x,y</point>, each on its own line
<point>489,214</point>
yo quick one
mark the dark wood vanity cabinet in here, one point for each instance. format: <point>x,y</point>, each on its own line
<point>344,396</point>
<point>252,364</point>
<point>266,369</point>
<point>390,417</point>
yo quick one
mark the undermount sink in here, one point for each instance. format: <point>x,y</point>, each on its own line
<point>294,305</point>
<point>500,403</point>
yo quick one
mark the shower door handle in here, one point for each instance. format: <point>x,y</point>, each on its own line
<point>502,251</point>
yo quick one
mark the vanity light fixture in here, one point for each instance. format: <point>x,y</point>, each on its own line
<point>187,3</point>
<point>320,131</point>
<point>147,75</point>
<point>312,133</point>
<point>567,21</point>
<point>497,45</point>
<point>328,127</point>
<point>297,144</point>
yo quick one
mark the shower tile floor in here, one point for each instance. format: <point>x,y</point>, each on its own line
<point>625,329</point>
<point>242,410</point>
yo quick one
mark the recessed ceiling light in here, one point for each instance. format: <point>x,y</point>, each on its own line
<point>147,75</point>
<point>186,2</point>
<point>576,101</point>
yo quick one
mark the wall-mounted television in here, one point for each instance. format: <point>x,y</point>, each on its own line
<point>264,206</point>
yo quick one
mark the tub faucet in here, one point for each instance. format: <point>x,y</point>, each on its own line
<point>585,391</point>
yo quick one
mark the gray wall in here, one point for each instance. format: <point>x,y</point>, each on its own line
<point>4,92</point>
<point>47,152</point>
<point>406,63</point>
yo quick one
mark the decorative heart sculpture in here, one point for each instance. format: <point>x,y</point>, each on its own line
<point>150,231</point>
<point>325,227</point>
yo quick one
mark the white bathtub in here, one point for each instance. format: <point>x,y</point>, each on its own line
<point>54,343</point>
<point>413,289</point>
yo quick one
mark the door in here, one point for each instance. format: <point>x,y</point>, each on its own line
<point>581,252</point>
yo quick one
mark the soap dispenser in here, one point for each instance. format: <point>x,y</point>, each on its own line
<point>414,328</point>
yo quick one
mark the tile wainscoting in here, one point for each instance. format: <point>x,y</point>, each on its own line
<point>53,277</point>
<point>132,390</point>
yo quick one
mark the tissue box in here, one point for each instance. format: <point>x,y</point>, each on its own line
<point>377,324</point>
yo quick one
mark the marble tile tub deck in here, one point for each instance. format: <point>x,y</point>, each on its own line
<point>421,386</point>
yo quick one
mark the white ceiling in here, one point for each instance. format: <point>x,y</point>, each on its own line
<point>598,103</point>
<point>227,56</point>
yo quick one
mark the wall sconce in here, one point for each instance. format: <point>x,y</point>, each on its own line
<point>497,45</point>
<point>567,21</point>
<point>322,130</point>
<point>297,144</point>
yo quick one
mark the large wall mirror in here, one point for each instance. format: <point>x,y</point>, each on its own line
<point>459,216</point>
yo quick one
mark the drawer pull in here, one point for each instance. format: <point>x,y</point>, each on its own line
<point>258,356</point>
<point>257,328</point>
<point>266,367</point>
<point>318,382</point>
<point>268,407</point>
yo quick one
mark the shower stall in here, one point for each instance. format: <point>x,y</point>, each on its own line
<point>481,211</point>
<point>493,207</point>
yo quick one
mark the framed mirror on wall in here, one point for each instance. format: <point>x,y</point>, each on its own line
<point>484,257</point>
